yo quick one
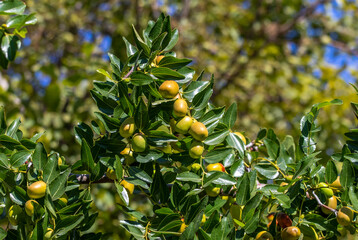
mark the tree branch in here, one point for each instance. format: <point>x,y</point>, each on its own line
<point>321,204</point>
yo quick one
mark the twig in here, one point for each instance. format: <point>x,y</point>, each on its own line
<point>321,204</point>
<point>85,179</point>
<point>129,73</point>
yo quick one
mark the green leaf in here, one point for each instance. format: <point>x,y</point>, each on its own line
<point>11,143</point>
<point>140,43</point>
<point>104,104</point>
<point>126,103</point>
<point>267,170</point>
<point>243,193</point>
<point>140,174</point>
<point>3,124</point>
<point>173,40</point>
<point>20,158</point>
<point>305,164</point>
<point>86,156</point>
<point>353,197</point>
<point>9,46</point>
<point>212,118</point>
<point>230,116</point>
<point>173,62</point>
<point>149,157</point>
<point>166,73</point>
<point>39,157</point>
<point>13,127</point>
<point>194,88</point>
<point>188,177</point>
<point>131,50</point>
<point>218,155</point>
<point>238,168</point>
<point>235,141</point>
<point>140,79</point>
<point>21,21</point>
<point>253,223</point>
<point>50,170</point>
<point>18,196</point>
<point>116,64</point>
<point>118,168</point>
<point>253,203</point>
<point>141,117</point>
<point>347,174</point>
<point>57,187</point>
<point>66,224</point>
<point>201,100</point>
<point>217,137</point>
<point>331,172</point>
<point>12,7</point>
<point>4,161</point>
<point>159,189</point>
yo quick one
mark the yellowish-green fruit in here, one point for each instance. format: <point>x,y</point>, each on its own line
<point>195,167</point>
<point>158,59</point>
<point>324,188</point>
<point>167,149</point>
<point>332,203</point>
<point>183,226</point>
<point>64,199</point>
<point>203,219</point>
<point>241,136</point>
<point>289,177</point>
<point>37,190</point>
<point>345,216</point>
<point>236,212</point>
<point>336,184</point>
<point>196,149</point>
<point>290,233</point>
<point>264,235</point>
<point>198,131</point>
<point>13,214</point>
<point>127,128</point>
<point>215,167</point>
<point>212,191</point>
<point>48,233</point>
<point>111,174</point>
<point>59,161</point>
<point>169,89</point>
<point>180,108</point>
<point>128,155</point>
<point>29,207</point>
<point>183,125</point>
<point>139,143</point>
<point>128,186</point>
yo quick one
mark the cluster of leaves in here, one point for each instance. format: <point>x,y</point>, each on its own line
<point>25,161</point>
<point>13,29</point>
<point>178,193</point>
<point>182,205</point>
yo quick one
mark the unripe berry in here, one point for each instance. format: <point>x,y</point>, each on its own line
<point>37,190</point>
<point>169,89</point>
<point>198,131</point>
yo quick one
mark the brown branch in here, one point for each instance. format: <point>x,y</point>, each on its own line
<point>321,204</point>
<point>85,179</point>
<point>343,47</point>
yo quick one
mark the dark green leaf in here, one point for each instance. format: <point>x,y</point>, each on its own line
<point>140,79</point>
<point>86,156</point>
<point>39,157</point>
<point>166,73</point>
<point>20,158</point>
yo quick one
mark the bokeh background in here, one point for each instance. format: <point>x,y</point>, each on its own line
<point>275,58</point>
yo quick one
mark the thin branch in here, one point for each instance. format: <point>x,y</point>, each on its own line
<point>323,205</point>
<point>85,179</point>
<point>129,73</point>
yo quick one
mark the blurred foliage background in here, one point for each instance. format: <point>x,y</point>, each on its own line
<point>275,58</point>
